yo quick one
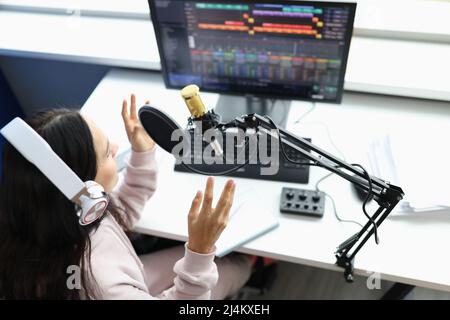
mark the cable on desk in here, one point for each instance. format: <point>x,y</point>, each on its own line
<point>370,191</point>
<point>329,174</point>
<point>329,136</point>
<point>273,102</point>
<point>332,201</point>
<point>306,113</point>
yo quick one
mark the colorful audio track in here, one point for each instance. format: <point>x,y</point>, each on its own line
<point>261,65</point>
<point>248,56</point>
<point>255,20</point>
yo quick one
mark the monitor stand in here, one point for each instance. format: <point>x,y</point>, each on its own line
<point>229,107</point>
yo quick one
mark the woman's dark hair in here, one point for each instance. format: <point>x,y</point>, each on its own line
<point>40,236</point>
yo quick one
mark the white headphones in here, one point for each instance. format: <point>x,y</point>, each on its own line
<point>89,195</point>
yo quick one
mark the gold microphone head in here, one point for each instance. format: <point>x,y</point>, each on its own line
<point>193,101</point>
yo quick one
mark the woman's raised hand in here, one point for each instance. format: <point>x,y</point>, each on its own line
<point>205,223</point>
<point>139,139</point>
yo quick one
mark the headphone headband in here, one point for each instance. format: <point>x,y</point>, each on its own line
<point>36,150</point>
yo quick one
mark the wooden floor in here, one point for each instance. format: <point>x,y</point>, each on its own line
<point>295,281</point>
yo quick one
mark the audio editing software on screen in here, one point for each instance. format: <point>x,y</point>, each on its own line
<point>277,48</point>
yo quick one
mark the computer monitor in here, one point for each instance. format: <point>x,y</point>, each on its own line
<point>253,52</point>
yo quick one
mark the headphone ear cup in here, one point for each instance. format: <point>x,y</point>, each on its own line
<point>93,206</point>
<point>92,210</point>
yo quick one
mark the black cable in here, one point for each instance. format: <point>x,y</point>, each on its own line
<point>222,173</point>
<point>366,200</point>
<point>369,194</point>
<point>280,142</point>
<point>368,197</point>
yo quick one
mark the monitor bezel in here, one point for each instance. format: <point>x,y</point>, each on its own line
<point>347,42</point>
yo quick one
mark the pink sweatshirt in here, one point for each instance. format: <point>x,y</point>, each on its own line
<point>117,269</point>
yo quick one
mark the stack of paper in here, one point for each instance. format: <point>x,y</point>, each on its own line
<point>418,164</point>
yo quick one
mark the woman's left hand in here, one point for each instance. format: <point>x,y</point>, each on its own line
<point>138,137</point>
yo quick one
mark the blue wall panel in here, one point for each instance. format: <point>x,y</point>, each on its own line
<point>9,108</point>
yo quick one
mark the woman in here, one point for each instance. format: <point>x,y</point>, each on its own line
<point>42,245</point>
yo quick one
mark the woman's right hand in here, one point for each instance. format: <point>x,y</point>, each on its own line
<point>205,224</point>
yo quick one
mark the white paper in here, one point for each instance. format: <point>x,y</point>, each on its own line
<point>411,162</point>
<point>248,220</point>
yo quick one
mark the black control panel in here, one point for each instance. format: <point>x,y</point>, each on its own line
<point>302,202</point>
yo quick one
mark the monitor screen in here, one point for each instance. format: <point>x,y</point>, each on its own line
<point>285,49</point>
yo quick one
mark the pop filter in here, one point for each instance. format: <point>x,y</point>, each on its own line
<point>159,126</point>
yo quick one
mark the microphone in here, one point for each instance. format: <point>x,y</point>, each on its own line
<point>193,101</point>
<point>200,116</point>
<point>160,126</point>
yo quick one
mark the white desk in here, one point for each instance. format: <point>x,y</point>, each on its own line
<point>412,250</point>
